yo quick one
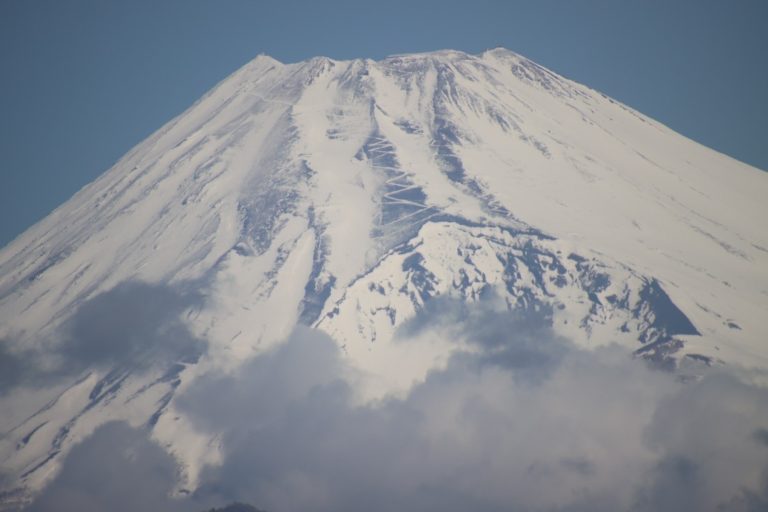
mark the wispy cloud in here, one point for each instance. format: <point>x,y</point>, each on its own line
<point>135,326</point>
<point>116,469</point>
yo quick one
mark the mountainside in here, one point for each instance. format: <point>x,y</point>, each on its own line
<point>347,195</point>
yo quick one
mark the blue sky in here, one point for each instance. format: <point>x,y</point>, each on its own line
<point>81,82</point>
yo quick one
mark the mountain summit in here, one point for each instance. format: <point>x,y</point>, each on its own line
<point>348,196</point>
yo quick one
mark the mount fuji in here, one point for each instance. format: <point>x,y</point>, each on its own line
<point>348,196</point>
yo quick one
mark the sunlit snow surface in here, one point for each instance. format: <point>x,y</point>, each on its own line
<point>347,194</point>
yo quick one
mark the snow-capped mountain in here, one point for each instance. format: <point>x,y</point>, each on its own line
<point>346,195</point>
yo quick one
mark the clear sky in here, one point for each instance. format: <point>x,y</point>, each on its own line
<point>81,82</point>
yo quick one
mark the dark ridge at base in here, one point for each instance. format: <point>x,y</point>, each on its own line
<point>236,507</point>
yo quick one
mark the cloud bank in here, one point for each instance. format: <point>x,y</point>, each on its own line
<point>520,420</point>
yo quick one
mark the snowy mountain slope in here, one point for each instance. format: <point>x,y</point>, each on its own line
<point>346,195</point>
<point>588,301</point>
